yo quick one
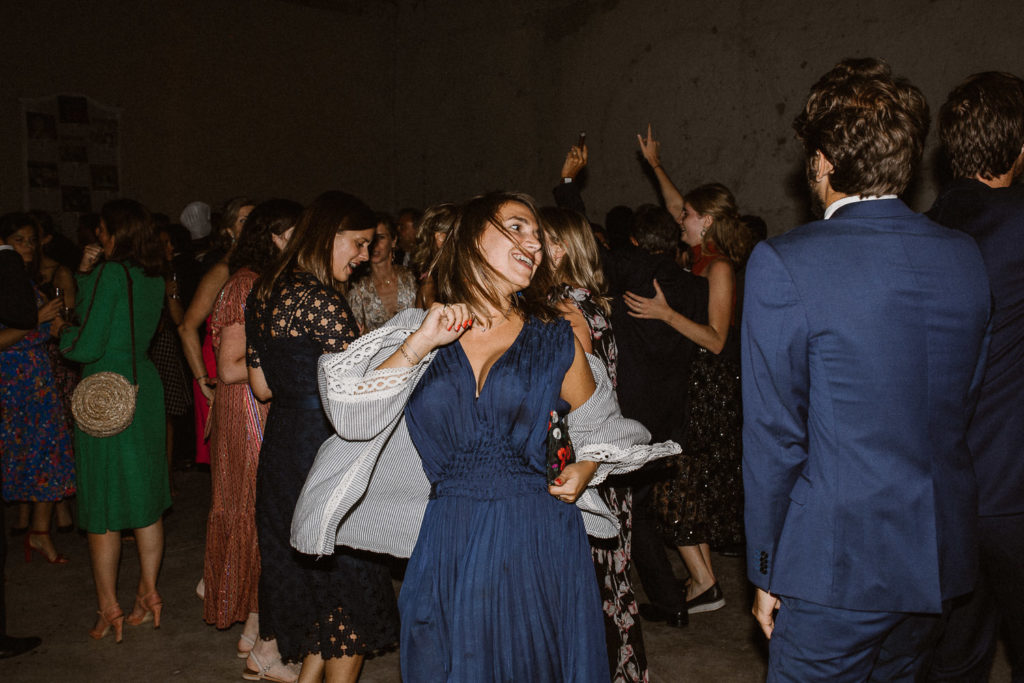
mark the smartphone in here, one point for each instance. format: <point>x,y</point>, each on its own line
<point>582,141</point>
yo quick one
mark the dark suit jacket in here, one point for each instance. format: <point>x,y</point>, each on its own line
<point>654,359</point>
<point>995,219</point>
<point>17,298</point>
<point>863,344</point>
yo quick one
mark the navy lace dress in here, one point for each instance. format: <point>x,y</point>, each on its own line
<point>339,605</point>
<point>494,590</point>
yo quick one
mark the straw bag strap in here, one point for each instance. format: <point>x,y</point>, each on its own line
<point>131,313</point>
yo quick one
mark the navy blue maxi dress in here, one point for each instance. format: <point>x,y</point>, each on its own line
<point>500,585</point>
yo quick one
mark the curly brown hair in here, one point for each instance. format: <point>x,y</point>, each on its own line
<point>870,126</point>
<point>982,125</point>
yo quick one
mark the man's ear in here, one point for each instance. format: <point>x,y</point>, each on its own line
<point>821,165</point>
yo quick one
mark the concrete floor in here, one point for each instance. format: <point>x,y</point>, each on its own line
<point>57,603</point>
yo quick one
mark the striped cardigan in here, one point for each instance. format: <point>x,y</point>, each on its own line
<point>366,488</point>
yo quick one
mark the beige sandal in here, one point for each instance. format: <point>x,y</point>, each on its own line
<point>262,672</point>
<point>243,653</point>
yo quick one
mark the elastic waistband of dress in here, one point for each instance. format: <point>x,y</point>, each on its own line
<point>486,486</point>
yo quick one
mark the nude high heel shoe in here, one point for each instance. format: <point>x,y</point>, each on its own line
<point>147,607</point>
<point>111,616</point>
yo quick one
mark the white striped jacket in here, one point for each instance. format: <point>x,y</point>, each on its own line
<point>367,490</point>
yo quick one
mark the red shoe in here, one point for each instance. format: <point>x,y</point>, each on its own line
<point>57,557</point>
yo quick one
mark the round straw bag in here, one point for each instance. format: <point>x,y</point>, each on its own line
<point>104,404</point>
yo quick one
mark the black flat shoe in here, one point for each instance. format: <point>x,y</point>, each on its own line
<point>651,612</point>
<point>12,647</point>
<point>708,601</point>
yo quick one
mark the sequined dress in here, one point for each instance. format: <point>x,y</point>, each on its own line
<point>342,604</point>
<point>702,499</point>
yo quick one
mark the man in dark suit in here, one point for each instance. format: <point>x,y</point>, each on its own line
<point>653,370</point>
<point>982,130</point>
<point>863,344</point>
<point>18,311</point>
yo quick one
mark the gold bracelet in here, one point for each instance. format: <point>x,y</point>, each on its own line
<point>401,349</point>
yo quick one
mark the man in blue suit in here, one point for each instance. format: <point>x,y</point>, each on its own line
<point>982,130</point>
<point>863,344</point>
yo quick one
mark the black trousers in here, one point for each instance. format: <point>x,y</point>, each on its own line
<point>661,586</point>
<point>968,644</point>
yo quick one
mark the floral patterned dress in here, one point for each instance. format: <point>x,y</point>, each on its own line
<point>368,307</point>
<point>627,657</point>
<point>35,440</point>
<point>702,500</point>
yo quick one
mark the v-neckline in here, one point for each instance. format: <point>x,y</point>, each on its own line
<point>478,388</point>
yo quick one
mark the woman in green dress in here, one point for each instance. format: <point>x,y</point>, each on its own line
<point>123,482</point>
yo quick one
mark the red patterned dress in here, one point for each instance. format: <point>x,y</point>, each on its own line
<point>232,565</point>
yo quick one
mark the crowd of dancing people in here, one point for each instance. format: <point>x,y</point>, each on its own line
<point>366,386</point>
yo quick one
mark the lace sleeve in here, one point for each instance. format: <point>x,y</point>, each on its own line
<point>324,316</point>
<point>362,400</point>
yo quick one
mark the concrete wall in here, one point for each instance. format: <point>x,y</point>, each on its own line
<point>417,101</point>
<point>219,98</point>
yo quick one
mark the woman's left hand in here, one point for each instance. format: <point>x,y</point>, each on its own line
<point>655,308</point>
<point>574,480</point>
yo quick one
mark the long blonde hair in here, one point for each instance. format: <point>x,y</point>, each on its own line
<point>581,265</point>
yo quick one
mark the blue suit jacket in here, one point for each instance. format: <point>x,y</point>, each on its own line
<point>863,346</point>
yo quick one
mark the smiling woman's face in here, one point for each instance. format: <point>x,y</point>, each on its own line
<point>351,247</point>
<point>516,254</point>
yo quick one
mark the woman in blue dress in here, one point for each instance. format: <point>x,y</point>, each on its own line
<point>453,405</point>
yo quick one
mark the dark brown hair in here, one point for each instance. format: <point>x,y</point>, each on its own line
<point>11,223</point>
<point>135,236</point>
<point>869,125</point>
<point>312,244</point>
<point>982,125</point>
<point>223,239</point>
<point>463,274</point>
<point>255,248</point>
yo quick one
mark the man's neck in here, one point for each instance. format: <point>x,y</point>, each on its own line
<point>1003,180</point>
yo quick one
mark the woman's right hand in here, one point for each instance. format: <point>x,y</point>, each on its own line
<point>444,324</point>
<point>207,386</point>
<point>649,148</point>
<point>90,255</point>
<point>50,310</point>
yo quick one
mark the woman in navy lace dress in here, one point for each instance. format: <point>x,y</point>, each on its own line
<point>328,613</point>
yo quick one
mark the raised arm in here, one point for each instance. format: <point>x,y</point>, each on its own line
<point>650,148</point>
<point>567,191</point>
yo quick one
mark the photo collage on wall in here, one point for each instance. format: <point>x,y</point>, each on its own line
<point>72,157</point>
